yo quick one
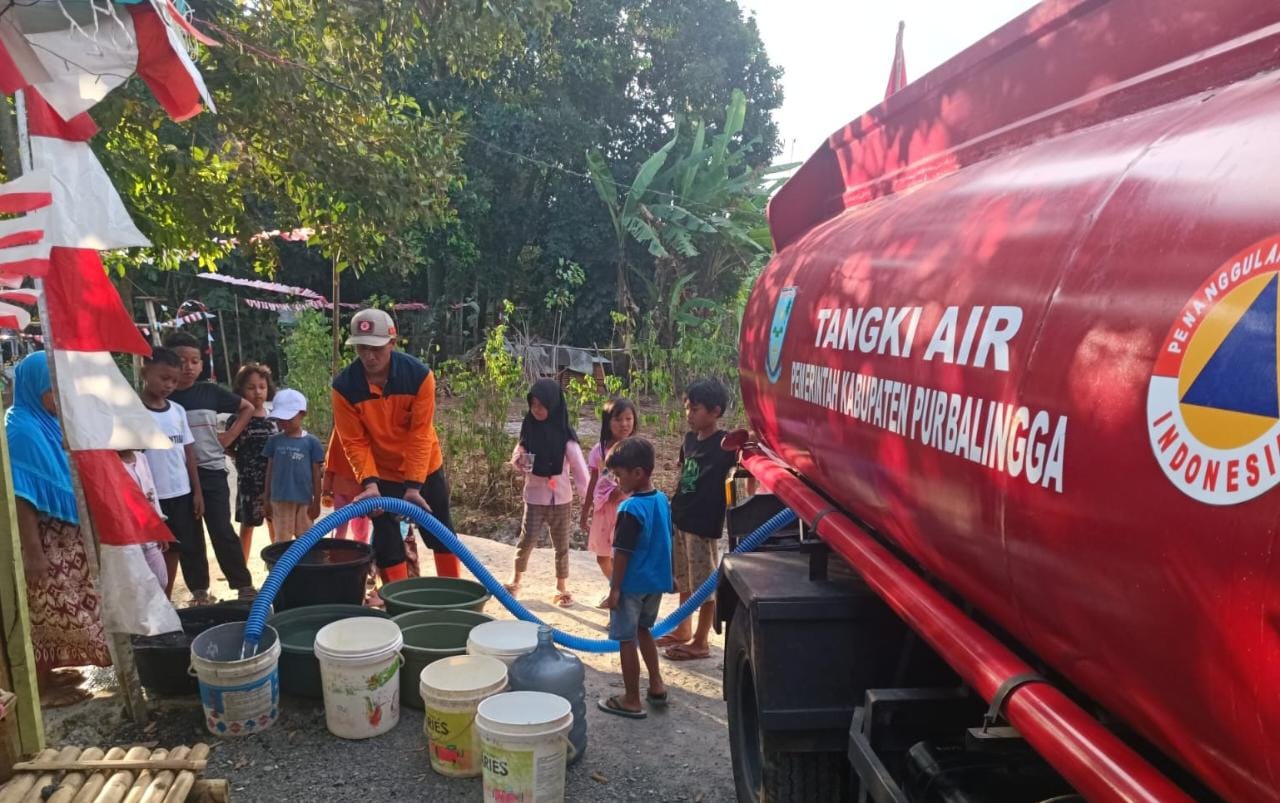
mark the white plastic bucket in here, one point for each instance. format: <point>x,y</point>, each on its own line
<point>451,689</point>
<point>524,745</point>
<point>505,640</point>
<point>360,676</point>
<point>240,696</point>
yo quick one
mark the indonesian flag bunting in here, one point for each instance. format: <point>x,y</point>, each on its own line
<point>76,64</point>
<point>85,312</point>
<point>121,512</point>
<point>87,211</point>
<point>100,409</point>
<point>44,121</point>
<point>10,281</point>
<point>26,260</point>
<point>898,72</point>
<point>165,66</point>
<point>27,296</point>
<point>26,193</point>
<point>12,317</point>
<point>25,230</point>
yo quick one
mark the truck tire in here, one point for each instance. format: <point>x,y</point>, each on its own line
<point>773,776</point>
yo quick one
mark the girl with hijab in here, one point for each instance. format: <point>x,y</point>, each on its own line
<point>548,455</point>
<point>65,608</point>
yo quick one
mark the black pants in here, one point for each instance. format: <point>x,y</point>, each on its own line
<point>388,548</point>
<point>194,557</point>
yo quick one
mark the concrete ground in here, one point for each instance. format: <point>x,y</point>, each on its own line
<point>680,754</point>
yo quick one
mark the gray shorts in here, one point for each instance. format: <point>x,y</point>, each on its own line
<point>634,611</point>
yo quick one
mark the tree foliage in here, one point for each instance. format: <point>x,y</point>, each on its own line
<point>313,128</point>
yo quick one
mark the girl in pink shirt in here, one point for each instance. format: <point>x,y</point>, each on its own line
<point>548,454</point>
<point>617,422</point>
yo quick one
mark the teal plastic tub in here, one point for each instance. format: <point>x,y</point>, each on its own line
<point>430,636</point>
<point>434,594</point>
<point>299,668</point>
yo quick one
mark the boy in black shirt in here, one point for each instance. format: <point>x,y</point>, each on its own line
<point>203,401</point>
<point>698,512</point>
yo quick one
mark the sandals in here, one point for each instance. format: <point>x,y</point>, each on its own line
<point>683,652</point>
<point>671,640</point>
<point>563,598</point>
<point>613,705</point>
<point>658,700</point>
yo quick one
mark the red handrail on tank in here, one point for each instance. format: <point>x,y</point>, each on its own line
<point>1097,763</point>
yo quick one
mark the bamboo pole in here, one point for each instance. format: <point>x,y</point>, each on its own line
<point>74,781</point>
<point>119,783</point>
<point>48,778</point>
<point>94,783</point>
<point>159,760</point>
<point>143,779</point>
<point>118,644</point>
<point>14,616</point>
<point>226,355</point>
<point>183,784</point>
<point>163,782</point>
<point>17,789</point>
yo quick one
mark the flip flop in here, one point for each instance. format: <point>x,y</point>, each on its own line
<point>613,706</point>
<point>681,652</point>
<point>659,700</point>
<point>670,641</point>
<point>564,599</point>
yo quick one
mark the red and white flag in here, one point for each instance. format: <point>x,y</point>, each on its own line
<point>85,312</point>
<point>87,211</point>
<point>898,72</point>
<point>12,317</point>
<point>123,514</point>
<point>98,406</point>
<point>75,59</point>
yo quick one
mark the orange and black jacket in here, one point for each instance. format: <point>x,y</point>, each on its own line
<point>388,432</point>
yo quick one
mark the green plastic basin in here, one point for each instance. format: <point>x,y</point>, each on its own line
<point>430,636</point>
<point>433,594</point>
<point>299,668</point>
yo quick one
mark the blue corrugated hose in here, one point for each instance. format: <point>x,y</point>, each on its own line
<point>304,543</point>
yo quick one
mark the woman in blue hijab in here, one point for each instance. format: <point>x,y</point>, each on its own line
<point>66,621</point>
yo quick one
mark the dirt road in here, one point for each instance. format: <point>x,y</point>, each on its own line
<point>681,754</point>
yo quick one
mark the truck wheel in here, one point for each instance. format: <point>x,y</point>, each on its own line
<point>770,776</point>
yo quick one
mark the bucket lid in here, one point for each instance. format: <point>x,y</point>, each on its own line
<point>504,637</point>
<point>358,636</point>
<point>515,710</point>
<point>463,674</point>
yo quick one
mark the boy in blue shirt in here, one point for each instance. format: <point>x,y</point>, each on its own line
<point>294,460</point>
<point>641,575</point>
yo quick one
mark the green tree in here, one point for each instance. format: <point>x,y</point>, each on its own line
<point>313,128</point>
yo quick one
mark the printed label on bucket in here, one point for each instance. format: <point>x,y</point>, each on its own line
<point>452,739</point>
<point>235,710</point>
<point>519,776</point>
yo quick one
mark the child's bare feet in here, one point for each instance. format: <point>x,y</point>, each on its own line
<point>512,588</point>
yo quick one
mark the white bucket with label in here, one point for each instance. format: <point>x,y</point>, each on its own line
<point>360,676</point>
<point>524,738</point>
<point>505,640</point>
<point>451,689</point>
<point>240,695</point>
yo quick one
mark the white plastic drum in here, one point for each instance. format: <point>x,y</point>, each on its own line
<point>524,737</point>
<point>505,640</point>
<point>451,689</point>
<point>360,676</point>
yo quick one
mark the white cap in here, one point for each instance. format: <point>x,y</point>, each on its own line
<point>288,403</point>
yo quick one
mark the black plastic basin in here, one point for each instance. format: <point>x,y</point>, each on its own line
<point>163,660</point>
<point>331,573</point>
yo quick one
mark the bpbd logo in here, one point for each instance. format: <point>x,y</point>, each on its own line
<point>1213,404</point>
<point>778,332</point>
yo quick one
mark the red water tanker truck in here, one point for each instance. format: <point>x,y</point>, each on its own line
<point>1014,365</point>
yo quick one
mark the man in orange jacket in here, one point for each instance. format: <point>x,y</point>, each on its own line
<point>383,405</point>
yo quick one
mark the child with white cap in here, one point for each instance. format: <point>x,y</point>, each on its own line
<point>295,458</point>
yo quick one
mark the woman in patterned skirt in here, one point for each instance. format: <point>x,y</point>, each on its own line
<point>65,607</point>
<point>253,384</point>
